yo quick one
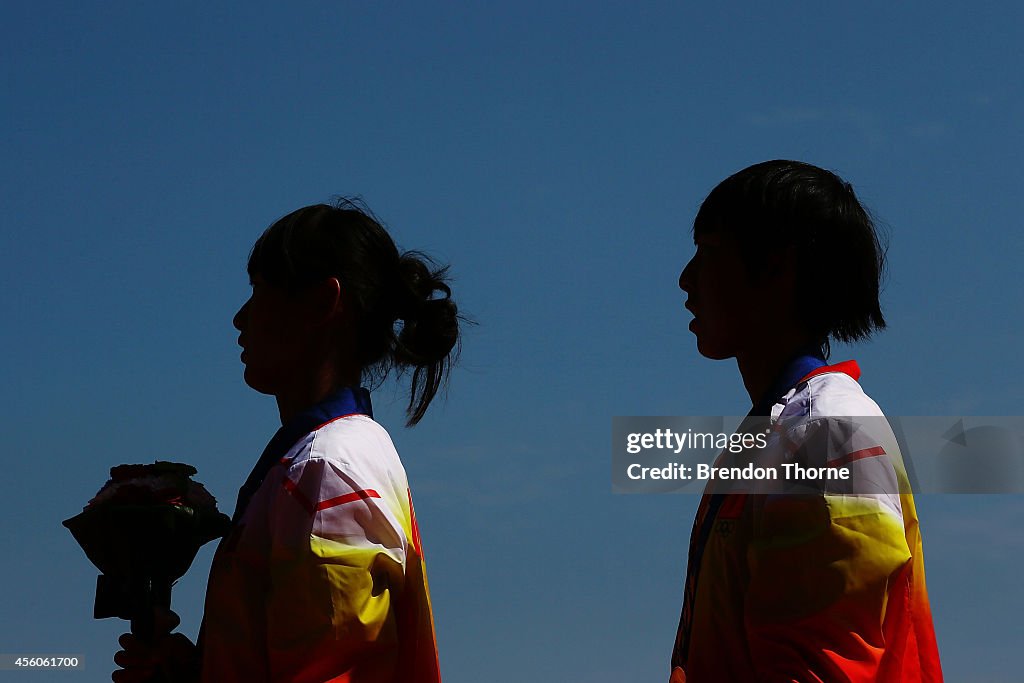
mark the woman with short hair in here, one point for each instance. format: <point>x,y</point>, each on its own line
<point>826,584</point>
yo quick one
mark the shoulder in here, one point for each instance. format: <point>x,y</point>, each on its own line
<point>353,447</point>
<point>837,394</point>
<point>831,422</point>
<point>829,394</point>
<point>345,439</point>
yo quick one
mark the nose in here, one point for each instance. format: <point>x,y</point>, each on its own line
<point>686,277</point>
<point>239,320</point>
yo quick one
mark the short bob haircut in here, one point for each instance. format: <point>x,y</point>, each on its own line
<point>790,204</point>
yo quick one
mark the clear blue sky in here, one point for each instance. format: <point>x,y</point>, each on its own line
<point>555,154</point>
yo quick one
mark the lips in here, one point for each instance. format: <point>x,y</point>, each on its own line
<point>693,322</point>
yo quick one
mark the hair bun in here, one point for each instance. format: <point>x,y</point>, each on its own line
<point>430,318</point>
<point>346,242</point>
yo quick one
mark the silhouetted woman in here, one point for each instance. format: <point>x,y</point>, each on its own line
<point>803,580</point>
<point>321,577</point>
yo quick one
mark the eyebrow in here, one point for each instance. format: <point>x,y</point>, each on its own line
<point>709,239</point>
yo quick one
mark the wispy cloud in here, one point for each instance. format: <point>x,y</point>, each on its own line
<point>992,530</point>
<point>929,129</point>
<point>495,475</point>
<point>871,128</point>
<point>786,116</point>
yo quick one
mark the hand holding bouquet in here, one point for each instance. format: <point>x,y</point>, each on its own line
<point>142,530</point>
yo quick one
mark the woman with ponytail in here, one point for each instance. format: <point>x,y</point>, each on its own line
<point>321,577</point>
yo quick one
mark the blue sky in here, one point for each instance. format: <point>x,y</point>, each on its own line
<point>555,155</point>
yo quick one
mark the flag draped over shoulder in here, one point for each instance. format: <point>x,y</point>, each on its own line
<point>825,586</point>
<point>322,578</point>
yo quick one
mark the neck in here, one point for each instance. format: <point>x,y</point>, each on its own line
<point>761,367</point>
<point>324,365</point>
<point>309,390</point>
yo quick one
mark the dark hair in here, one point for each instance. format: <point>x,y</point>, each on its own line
<point>779,204</point>
<point>347,242</point>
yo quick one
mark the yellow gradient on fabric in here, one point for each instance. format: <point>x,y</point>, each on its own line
<point>808,551</point>
<point>361,581</point>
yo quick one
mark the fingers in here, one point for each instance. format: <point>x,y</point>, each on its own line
<point>178,646</point>
<point>137,663</point>
<point>132,675</point>
<point>154,626</point>
<point>164,620</point>
<point>140,660</point>
<point>135,653</point>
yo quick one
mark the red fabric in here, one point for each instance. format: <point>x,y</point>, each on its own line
<point>847,367</point>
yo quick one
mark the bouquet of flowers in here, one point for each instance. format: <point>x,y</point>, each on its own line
<point>142,530</point>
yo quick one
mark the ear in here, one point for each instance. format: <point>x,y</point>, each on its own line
<point>780,264</point>
<point>782,273</point>
<point>324,301</point>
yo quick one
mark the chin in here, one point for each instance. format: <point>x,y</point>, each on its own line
<point>258,381</point>
<point>713,351</point>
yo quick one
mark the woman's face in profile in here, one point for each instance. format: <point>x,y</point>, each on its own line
<point>269,329</point>
<point>721,296</point>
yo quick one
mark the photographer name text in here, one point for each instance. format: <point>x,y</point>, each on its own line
<point>676,442</point>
